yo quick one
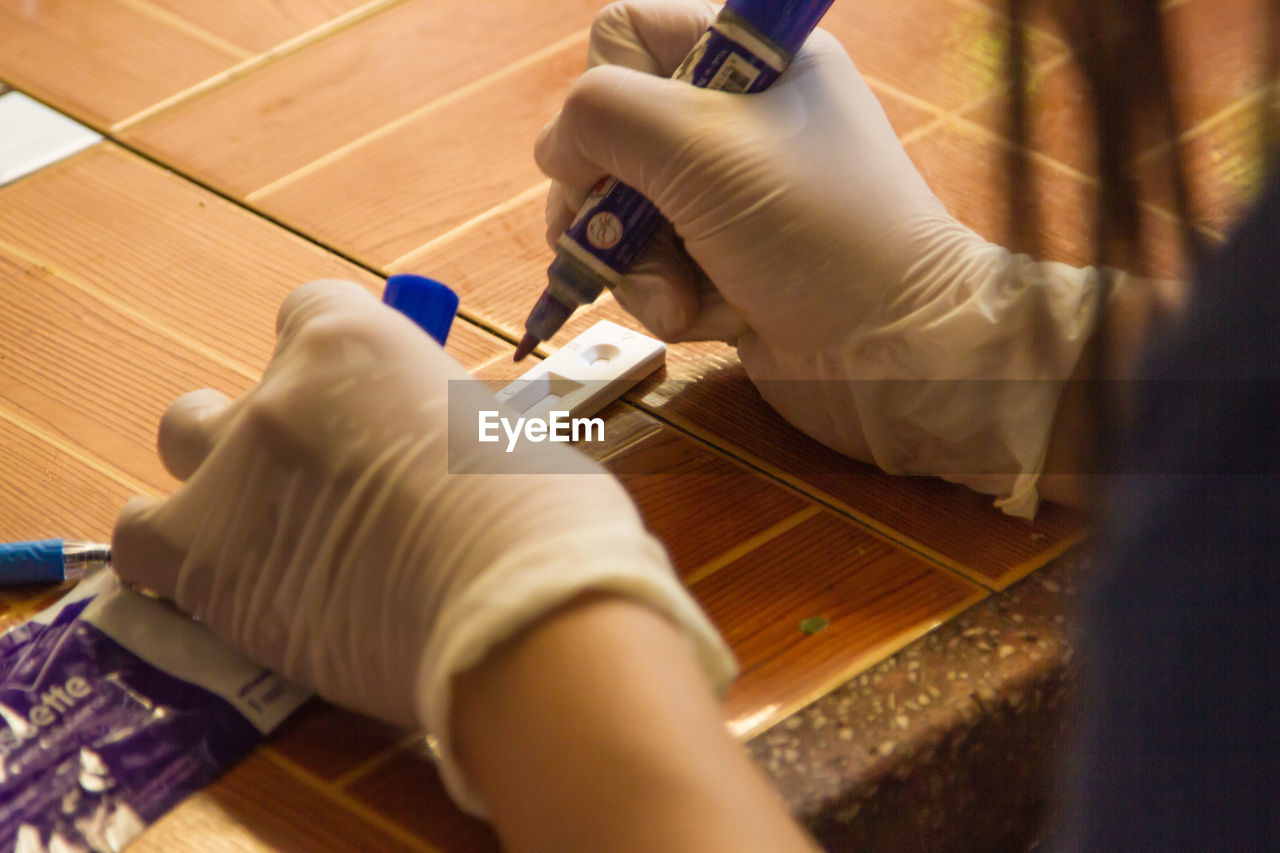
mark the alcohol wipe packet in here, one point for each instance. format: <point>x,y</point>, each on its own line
<point>113,708</point>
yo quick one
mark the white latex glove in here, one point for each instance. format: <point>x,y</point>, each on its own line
<point>860,307</point>
<point>341,524</point>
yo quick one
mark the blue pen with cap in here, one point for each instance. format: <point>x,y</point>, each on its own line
<point>748,46</point>
<point>49,560</point>
<point>427,302</point>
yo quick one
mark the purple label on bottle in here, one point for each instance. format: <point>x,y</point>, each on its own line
<point>720,61</point>
<point>616,221</point>
<point>95,742</point>
<point>611,228</point>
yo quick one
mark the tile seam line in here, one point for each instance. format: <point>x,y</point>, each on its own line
<point>868,660</point>
<point>373,762</point>
<point>878,529</point>
<point>132,313</point>
<point>1003,87</point>
<point>876,82</point>
<point>885,533</point>
<point>414,255</point>
<point>956,120</point>
<point>346,801</point>
<point>296,232</point>
<point>255,61</point>
<point>76,451</point>
<point>181,24</point>
<point>1254,99</point>
<point>961,124</point>
<point>1028,567</point>
<point>964,125</point>
<point>941,117</point>
<point>743,547</point>
<point>450,97</point>
<point>998,12</point>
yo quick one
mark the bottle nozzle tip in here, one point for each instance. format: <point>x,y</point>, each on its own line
<point>527,343</point>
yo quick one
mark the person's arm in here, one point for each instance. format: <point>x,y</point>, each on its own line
<point>864,312</point>
<point>1139,306</point>
<point>342,524</point>
<point>596,730</point>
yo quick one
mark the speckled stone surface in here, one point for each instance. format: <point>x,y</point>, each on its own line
<point>951,744</point>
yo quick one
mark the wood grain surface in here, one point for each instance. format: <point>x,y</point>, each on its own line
<point>417,181</point>
<point>169,254</point>
<point>256,146</point>
<point>102,61</point>
<point>874,599</point>
<point>260,127</point>
<point>252,25</point>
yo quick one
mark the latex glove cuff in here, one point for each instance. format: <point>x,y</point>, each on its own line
<point>960,377</point>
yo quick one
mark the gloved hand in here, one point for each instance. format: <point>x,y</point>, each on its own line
<point>342,524</point>
<point>804,235</point>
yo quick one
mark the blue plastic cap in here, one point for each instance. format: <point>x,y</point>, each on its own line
<point>32,562</point>
<point>787,22</point>
<point>425,301</point>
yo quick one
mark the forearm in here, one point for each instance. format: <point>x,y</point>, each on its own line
<point>596,730</point>
<point>1137,307</point>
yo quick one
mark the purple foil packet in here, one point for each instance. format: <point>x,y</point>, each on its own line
<point>113,708</point>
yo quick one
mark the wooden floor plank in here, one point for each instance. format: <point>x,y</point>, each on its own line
<point>258,807</point>
<point>872,599</point>
<point>128,286</point>
<point>498,266</point>
<point>948,54</point>
<point>382,200</point>
<point>157,247</point>
<point>977,195</point>
<point>282,116</point>
<point>160,246</point>
<point>1224,167</point>
<point>48,494</point>
<point>408,790</point>
<point>948,523</point>
<point>87,375</point>
<point>697,502</point>
<point>1217,53</point>
<point>330,742</point>
<point>255,26</point>
<point>100,61</point>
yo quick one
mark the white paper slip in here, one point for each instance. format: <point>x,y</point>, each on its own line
<point>586,374</point>
<point>32,136</point>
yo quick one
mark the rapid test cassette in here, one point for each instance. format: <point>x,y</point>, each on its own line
<point>586,374</point>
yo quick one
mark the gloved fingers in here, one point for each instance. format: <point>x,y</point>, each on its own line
<point>652,36</point>
<point>562,205</point>
<point>660,290</point>
<point>634,126</point>
<point>189,429</point>
<point>315,299</point>
<point>674,299</point>
<point>224,518</point>
<point>717,319</point>
<point>141,551</point>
